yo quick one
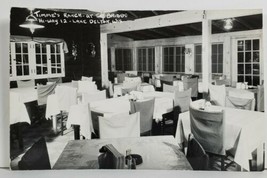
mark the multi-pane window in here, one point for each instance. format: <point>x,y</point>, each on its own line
<point>198,58</point>
<point>248,61</point>
<point>109,59</point>
<point>55,58</point>
<point>146,59</point>
<point>41,58</point>
<point>174,59</point>
<point>22,59</point>
<point>123,59</point>
<point>217,59</point>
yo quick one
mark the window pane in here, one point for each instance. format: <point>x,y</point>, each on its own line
<point>256,80</point>
<point>248,69</point>
<point>18,47</point>
<point>18,59</point>
<point>248,79</point>
<point>58,59</point>
<point>240,45</point>
<point>53,60</point>
<point>25,47</point>
<point>248,45</point>
<point>58,48</point>
<point>214,59</point>
<point>37,48</point>
<point>214,68</point>
<point>248,57</point>
<point>220,59</point>
<point>240,78</point>
<point>256,69</point>
<point>44,70</point>
<point>52,48</point>
<point>240,57</point>
<point>19,70</point>
<point>214,49</point>
<point>256,45</point>
<point>44,59</point>
<point>240,69</point>
<point>43,48</point>
<point>220,68</point>
<point>26,69</point>
<point>198,49</point>
<point>38,70</point>
<point>25,59</point>
<point>256,57</point>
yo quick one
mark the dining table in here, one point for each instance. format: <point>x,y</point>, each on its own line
<point>157,152</point>
<point>144,87</point>
<point>244,132</point>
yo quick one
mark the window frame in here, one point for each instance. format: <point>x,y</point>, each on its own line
<point>147,65</point>
<point>174,58</point>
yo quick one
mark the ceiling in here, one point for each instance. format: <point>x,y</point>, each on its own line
<point>239,24</point>
<point>244,23</point>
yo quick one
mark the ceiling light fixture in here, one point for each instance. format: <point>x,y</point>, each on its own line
<point>31,23</point>
<point>228,24</point>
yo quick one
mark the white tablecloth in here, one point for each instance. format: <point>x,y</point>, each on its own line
<point>248,125</point>
<point>158,153</point>
<point>163,104</point>
<point>17,108</point>
<point>144,87</point>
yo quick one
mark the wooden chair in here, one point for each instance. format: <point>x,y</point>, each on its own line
<point>146,109</point>
<point>196,155</point>
<point>36,158</point>
<point>208,129</point>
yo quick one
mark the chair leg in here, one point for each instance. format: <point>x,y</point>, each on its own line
<point>222,164</point>
<point>61,122</point>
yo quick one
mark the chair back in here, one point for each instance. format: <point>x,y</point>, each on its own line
<point>43,91</point>
<point>260,98</point>
<point>121,77</point>
<point>208,129</point>
<point>240,103</point>
<point>36,158</point>
<point>131,72</point>
<point>242,99</point>
<point>127,90</point>
<point>193,84</point>
<point>217,94</point>
<point>146,109</point>
<point>66,96</point>
<point>120,125</point>
<point>86,86</point>
<point>74,84</point>
<point>95,120</point>
<point>182,100</point>
<point>94,96</point>
<point>25,83</point>
<point>170,88</point>
<point>196,154</point>
<point>84,78</point>
<point>57,80</point>
<point>225,82</point>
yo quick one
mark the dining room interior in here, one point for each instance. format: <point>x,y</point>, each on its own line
<point>137,89</point>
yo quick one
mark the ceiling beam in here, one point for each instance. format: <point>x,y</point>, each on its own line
<point>158,21</point>
<point>177,18</point>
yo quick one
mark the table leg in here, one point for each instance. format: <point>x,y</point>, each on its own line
<point>76,132</point>
<point>54,121</point>
<point>19,135</point>
<point>260,158</point>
